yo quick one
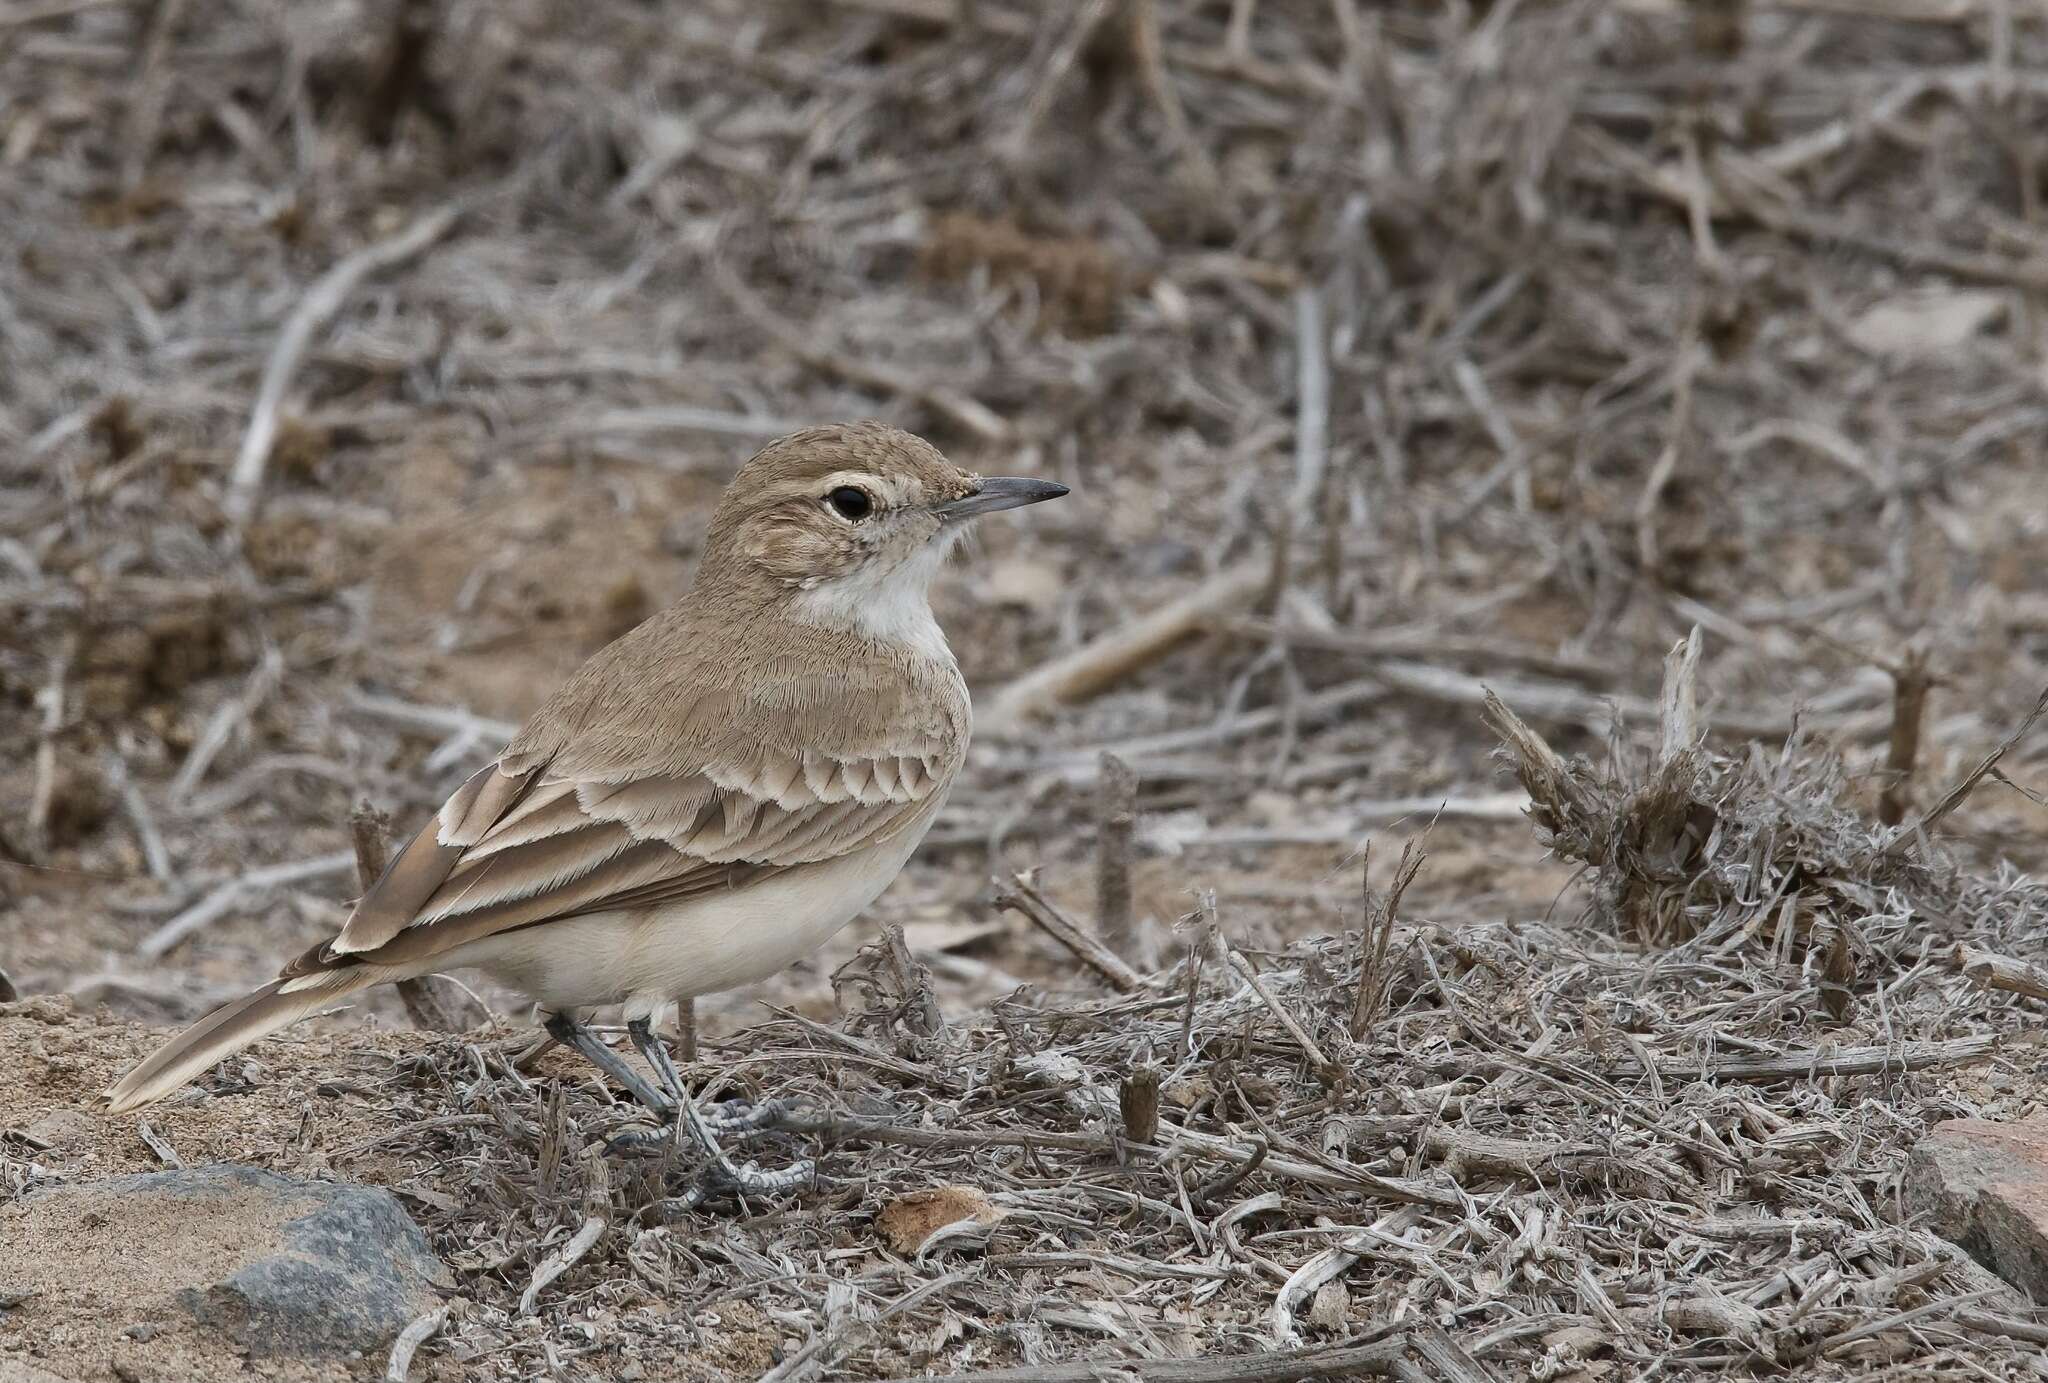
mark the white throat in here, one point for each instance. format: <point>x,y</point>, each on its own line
<point>893,607</point>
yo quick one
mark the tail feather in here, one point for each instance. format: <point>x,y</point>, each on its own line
<point>221,1033</point>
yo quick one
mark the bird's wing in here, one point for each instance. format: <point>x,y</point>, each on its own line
<point>617,798</point>
<point>513,848</point>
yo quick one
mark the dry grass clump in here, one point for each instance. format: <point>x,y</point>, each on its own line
<point>1731,851</point>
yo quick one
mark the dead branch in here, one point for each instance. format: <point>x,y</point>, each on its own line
<point>1910,684</point>
<point>2007,973</point>
<point>224,899</point>
<point>1326,1070</point>
<point>1116,812</point>
<point>1021,896</point>
<point>1956,795</point>
<point>328,295</point>
<point>1114,656</point>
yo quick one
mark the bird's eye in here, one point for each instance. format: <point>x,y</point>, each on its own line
<point>851,501</point>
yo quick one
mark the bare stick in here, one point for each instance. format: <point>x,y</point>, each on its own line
<point>1111,657</point>
<point>322,301</point>
<point>1678,701</point>
<point>1331,1263</point>
<point>1953,798</point>
<point>1312,405</point>
<point>1887,1059</point>
<point>969,413</point>
<point>1910,684</point>
<point>638,423</point>
<point>1838,976</point>
<point>154,855</point>
<point>1989,971</point>
<point>422,1329</point>
<point>222,900</point>
<point>1137,1099</point>
<point>1325,1069</point>
<point>1567,705</point>
<point>55,9</point>
<point>369,829</point>
<point>448,720</point>
<point>1117,808</point>
<point>157,1144</point>
<point>1150,54</point>
<point>1173,1140</point>
<point>560,1261</point>
<point>1020,895</point>
<point>227,717</point>
<point>1017,143</point>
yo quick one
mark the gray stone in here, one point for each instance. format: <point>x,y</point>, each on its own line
<point>283,1267</point>
<point>1984,1187</point>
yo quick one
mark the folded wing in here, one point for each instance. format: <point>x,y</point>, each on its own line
<point>519,846</point>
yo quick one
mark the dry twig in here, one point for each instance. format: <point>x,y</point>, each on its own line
<point>323,300</point>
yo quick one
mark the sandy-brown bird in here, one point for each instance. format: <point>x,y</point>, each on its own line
<point>708,798</point>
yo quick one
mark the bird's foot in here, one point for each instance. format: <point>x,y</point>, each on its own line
<point>728,1119</point>
<point>730,1182</point>
<point>723,1176</point>
<point>719,1177</point>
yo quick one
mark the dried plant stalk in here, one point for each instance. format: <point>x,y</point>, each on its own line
<point>1379,920</point>
<point>1910,685</point>
<point>1021,896</point>
<point>1117,805</point>
<point>1138,1102</point>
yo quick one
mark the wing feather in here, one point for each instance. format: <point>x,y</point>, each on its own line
<point>678,762</point>
<point>569,848</point>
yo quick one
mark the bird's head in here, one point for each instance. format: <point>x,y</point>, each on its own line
<point>849,517</point>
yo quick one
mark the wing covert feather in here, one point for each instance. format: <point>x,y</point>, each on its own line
<point>642,782</point>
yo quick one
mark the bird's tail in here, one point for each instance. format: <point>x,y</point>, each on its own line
<point>221,1033</point>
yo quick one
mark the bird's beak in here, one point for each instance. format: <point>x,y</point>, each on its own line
<point>999,492</point>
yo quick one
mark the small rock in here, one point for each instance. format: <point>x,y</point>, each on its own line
<point>1330,1307</point>
<point>1984,1187</point>
<point>283,1267</point>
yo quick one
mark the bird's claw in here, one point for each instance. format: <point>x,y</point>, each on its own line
<point>728,1118</point>
<point>713,1183</point>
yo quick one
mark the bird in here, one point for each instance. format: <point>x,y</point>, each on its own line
<point>708,798</point>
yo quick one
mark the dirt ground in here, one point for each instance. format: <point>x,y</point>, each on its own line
<point>1512,342</point>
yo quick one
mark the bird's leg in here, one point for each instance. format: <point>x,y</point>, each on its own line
<point>749,1178</point>
<point>564,1028</point>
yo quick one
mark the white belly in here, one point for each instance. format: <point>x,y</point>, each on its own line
<point>650,957</point>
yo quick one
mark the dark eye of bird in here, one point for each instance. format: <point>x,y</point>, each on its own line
<point>851,502</point>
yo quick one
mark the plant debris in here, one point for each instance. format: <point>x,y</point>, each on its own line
<point>363,369</point>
